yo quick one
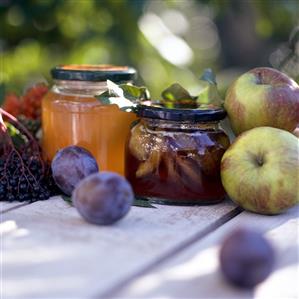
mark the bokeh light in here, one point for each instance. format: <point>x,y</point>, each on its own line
<point>166,41</point>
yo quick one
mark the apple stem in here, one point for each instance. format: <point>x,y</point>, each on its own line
<point>259,75</point>
<point>260,161</point>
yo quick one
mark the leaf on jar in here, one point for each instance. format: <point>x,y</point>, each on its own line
<point>208,76</point>
<point>209,97</point>
<point>135,93</point>
<point>150,165</point>
<point>125,96</point>
<point>176,96</point>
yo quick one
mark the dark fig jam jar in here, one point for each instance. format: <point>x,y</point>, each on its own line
<point>173,155</point>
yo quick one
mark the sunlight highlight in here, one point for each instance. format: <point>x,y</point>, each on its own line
<point>204,263</point>
<point>7,227</point>
<point>171,47</point>
<point>10,227</point>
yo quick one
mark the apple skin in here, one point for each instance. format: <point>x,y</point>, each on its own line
<point>260,170</point>
<point>263,97</point>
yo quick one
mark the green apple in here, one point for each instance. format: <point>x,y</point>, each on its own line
<point>263,97</point>
<point>260,170</point>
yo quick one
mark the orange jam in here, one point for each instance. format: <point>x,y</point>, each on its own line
<point>71,115</point>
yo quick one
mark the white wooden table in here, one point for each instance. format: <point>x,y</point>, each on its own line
<point>48,251</point>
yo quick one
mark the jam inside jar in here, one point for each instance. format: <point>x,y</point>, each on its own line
<point>173,155</point>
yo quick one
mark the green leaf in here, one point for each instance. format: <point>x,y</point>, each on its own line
<point>134,93</point>
<point>67,199</point>
<point>104,98</point>
<point>176,96</point>
<point>17,137</point>
<point>208,76</point>
<point>209,96</point>
<point>125,96</point>
<point>138,201</point>
<point>134,123</point>
<point>142,202</point>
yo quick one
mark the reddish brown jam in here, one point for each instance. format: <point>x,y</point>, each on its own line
<point>176,163</point>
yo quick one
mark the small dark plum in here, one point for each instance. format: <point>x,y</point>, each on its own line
<point>246,258</point>
<point>103,198</point>
<point>70,165</point>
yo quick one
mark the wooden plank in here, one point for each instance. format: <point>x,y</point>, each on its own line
<point>48,251</point>
<point>194,273</point>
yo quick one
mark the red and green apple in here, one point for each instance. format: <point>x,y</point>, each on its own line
<point>263,97</point>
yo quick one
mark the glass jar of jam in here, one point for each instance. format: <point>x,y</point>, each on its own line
<point>173,155</point>
<point>71,115</point>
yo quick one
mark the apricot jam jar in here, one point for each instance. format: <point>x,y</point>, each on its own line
<point>71,115</point>
<point>173,155</point>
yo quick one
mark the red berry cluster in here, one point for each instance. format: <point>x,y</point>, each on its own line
<point>28,105</point>
<point>12,104</point>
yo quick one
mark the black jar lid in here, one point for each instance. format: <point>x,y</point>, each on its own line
<point>193,115</point>
<point>89,72</point>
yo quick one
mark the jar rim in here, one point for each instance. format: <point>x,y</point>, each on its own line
<point>93,72</point>
<point>193,115</point>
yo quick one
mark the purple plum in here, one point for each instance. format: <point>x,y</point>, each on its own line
<point>70,165</point>
<point>103,198</point>
<point>246,258</point>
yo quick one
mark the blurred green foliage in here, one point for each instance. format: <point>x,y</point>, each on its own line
<point>166,41</point>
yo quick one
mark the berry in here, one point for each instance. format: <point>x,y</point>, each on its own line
<point>12,104</point>
<point>31,101</point>
<point>10,197</point>
<point>24,175</point>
